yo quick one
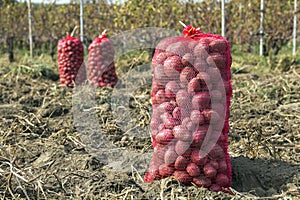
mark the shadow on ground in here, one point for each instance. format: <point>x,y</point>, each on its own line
<point>262,177</point>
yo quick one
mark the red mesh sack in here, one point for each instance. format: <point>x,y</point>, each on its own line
<point>70,61</point>
<point>191,91</point>
<point>101,66</point>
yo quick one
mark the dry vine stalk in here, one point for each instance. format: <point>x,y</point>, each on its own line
<point>191,91</point>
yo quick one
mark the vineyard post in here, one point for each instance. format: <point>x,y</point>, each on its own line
<point>81,20</point>
<point>29,27</point>
<point>261,32</point>
<point>223,17</point>
<point>295,27</point>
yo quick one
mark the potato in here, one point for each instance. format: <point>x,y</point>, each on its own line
<point>159,58</point>
<point>171,89</point>
<point>217,60</point>
<point>197,117</point>
<point>164,136</point>
<point>215,188</point>
<point>202,181</point>
<point>183,177</point>
<point>180,132</point>
<point>181,147</point>
<point>188,59</point>
<point>186,75</point>
<point>181,163</point>
<point>222,180</point>
<point>193,169</point>
<point>165,170</point>
<point>209,171</point>
<point>218,45</point>
<point>201,100</point>
<point>170,157</point>
<point>198,158</point>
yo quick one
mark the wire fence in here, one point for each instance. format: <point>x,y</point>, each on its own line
<point>274,29</point>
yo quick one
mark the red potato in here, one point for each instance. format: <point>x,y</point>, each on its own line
<point>178,49</point>
<point>205,80</point>
<point>171,89</point>
<point>217,152</point>
<point>191,45</point>
<point>202,181</point>
<point>165,115</point>
<point>222,166</point>
<point>201,50</point>
<point>181,147</point>
<point>183,177</point>
<point>188,153</point>
<point>174,63</point>
<point>101,60</point>
<point>198,158</point>
<point>166,107</point>
<point>183,99</point>
<point>200,64</point>
<point>159,58</point>
<point>219,108</point>
<point>159,151</point>
<point>156,86</point>
<point>197,117</point>
<point>165,170</point>
<point>195,86</point>
<point>193,170</point>
<point>217,60</point>
<point>181,163</point>
<point>216,96</point>
<point>160,96</point>
<point>186,75</point>
<point>201,100</point>
<point>191,126</point>
<point>70,61</point>
<point>185,121</point>
<point>164,136</point>
<point>163,44</point>
<point>222,180</point>
<point>214,74</point>
<point>219,46</point>
<point>209,171</point>
<point>180,132</point>
<point>160,75</point>
<point>215,188</point>
<point>170,157</point>
<point>198,138</point>
<point>211,116</point>
<point>177,113</point>
<point>214,164</point>
<point>152,173</point>
<point>188,59</point>
<point>170,123</point>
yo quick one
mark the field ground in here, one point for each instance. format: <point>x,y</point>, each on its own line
<point>44,154</point>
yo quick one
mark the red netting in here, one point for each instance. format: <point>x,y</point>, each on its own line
<point>70,61</point>
<point>191,93</point>
<point>101,62</point>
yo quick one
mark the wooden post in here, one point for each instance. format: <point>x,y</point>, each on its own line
<point>223,18</point>
<point>261,32</point>
<point>10,44</point>
<point>295,28</point>
<point>29,28</point>
<point>81,21</point>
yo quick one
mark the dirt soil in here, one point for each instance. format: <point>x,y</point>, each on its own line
<point>86,143</point>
